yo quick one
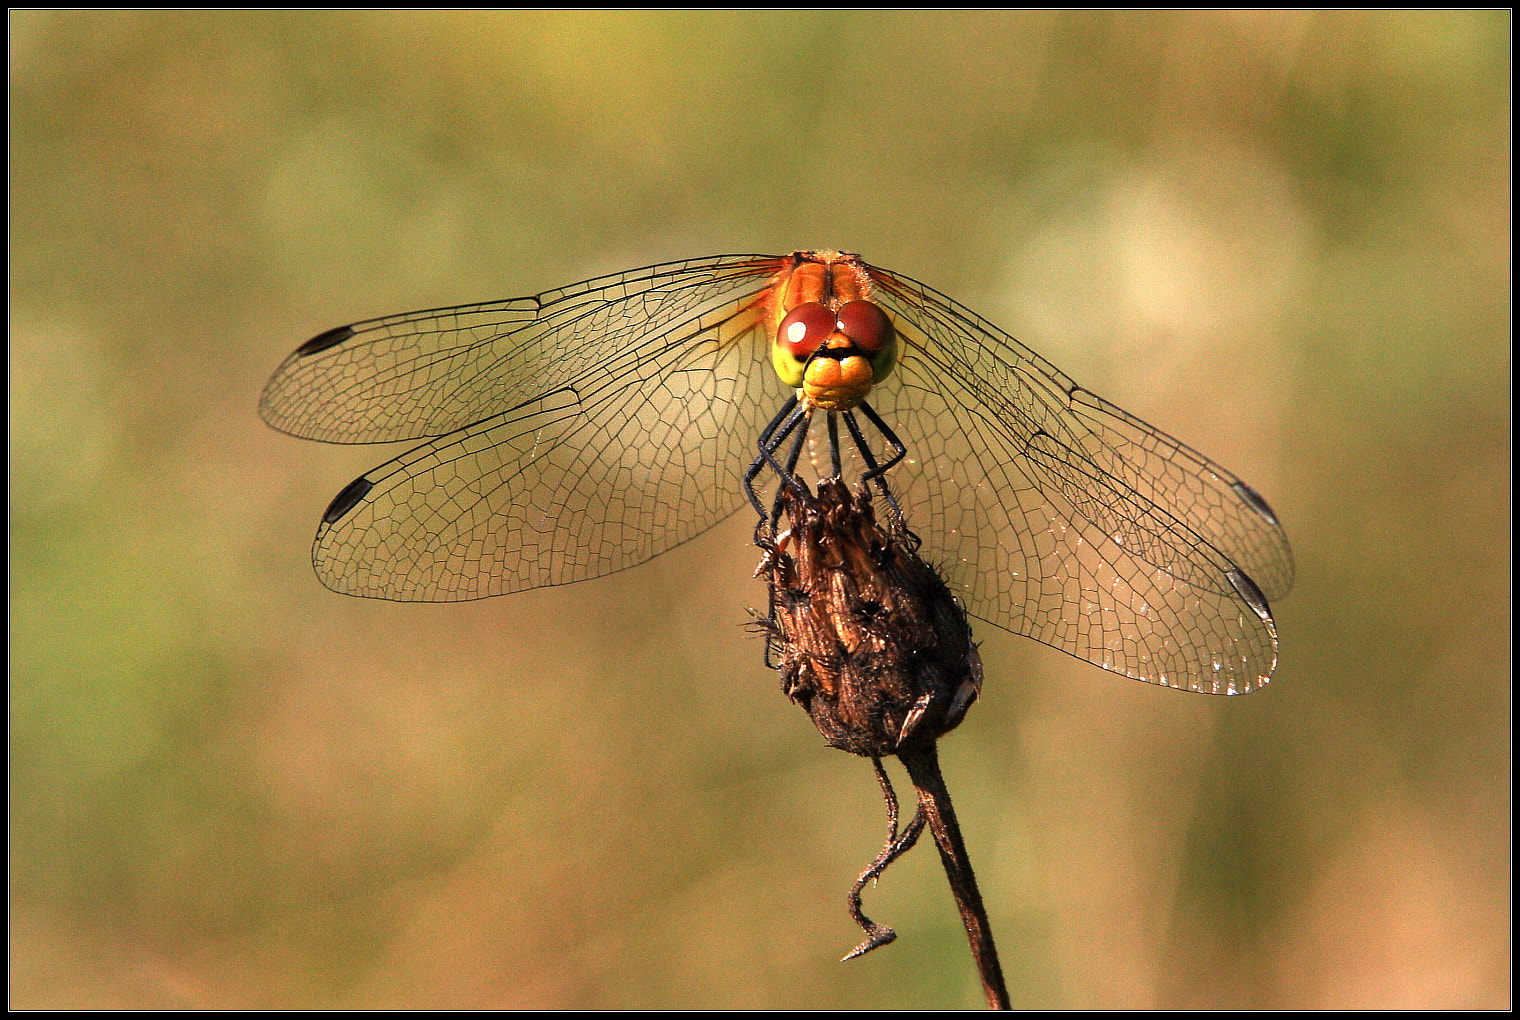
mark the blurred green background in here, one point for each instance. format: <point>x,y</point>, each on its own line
<point>1283,238</point>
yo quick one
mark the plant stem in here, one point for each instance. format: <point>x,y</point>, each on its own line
<point>922,764</point>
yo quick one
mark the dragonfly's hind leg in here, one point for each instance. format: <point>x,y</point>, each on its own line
<point>877,473</point>
<point>899,451</point>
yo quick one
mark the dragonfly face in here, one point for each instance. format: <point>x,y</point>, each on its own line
<point>830,341</point>
<point>584,430</point>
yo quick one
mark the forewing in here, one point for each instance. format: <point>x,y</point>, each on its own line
<point>433,372</point>
<point>1064,519</point>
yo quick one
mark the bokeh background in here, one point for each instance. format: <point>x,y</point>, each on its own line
<point>1283,238</point>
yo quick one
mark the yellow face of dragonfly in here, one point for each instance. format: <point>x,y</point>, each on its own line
<point>831,341</point>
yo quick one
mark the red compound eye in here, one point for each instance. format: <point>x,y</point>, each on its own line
<point>866,324</point>
<point>805,328</point>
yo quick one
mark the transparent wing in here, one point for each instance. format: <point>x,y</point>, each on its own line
<point>429,373</point>
<point>578,433</point>
<point>1062,518</point>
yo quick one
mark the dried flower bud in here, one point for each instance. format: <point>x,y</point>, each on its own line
<point>866,636</point>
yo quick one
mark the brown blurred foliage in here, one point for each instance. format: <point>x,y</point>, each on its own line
<point>1283,238</point>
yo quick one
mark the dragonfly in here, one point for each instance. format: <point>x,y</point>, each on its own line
<point>582,431</point>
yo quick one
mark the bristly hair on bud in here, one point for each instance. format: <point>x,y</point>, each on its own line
<point>866,635</point>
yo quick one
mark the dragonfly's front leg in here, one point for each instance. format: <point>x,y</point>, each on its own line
<point>794,417</point>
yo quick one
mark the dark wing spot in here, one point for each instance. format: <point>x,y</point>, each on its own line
<point>346,500</point>
<point>1250,593</point>
<point>322,341</point>
<point>1251,498</point>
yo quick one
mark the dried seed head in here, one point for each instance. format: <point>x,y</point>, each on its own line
<point>866,636</point>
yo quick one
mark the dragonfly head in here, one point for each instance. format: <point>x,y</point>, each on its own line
<point>832,343</point>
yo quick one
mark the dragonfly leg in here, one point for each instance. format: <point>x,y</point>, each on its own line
<point>793,418</point>
<point>877,472</point>
<point>899,451</point>
<point>765,528</point>
<point>785,421</point>
<point>834,444</point>
<point>787,478</point>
